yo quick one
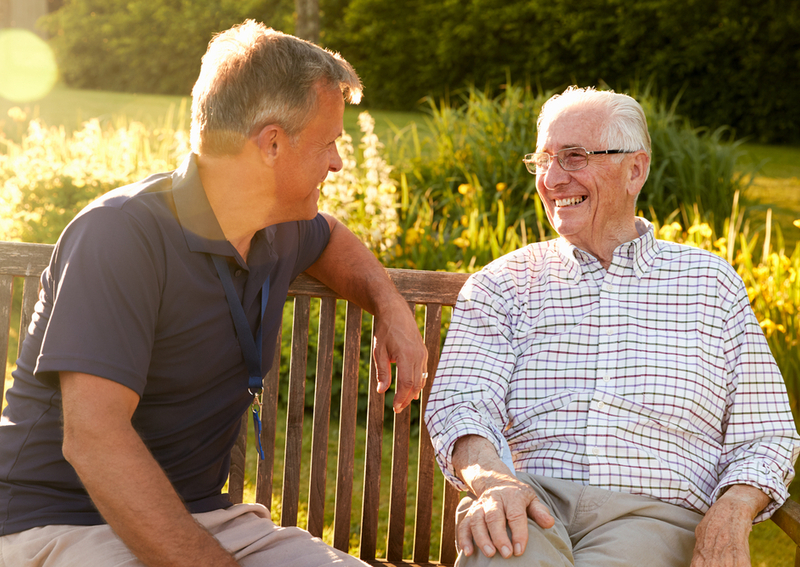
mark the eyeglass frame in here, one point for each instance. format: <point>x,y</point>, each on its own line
<point>528,158</point>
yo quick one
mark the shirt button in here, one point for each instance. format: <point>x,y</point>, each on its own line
<point>609,287</point>
<point>609,331</point>
<point>595,451</point>
<point>237,273</point>
<point>600,405</point>
<point>606,378</point>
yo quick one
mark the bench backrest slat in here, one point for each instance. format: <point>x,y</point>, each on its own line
<point>348,420</point>
<point>322,413</point>
<point>425,468</point>
<point>6,298</point>
<point>290,497</point>
<point>372,466</point>
<point>269,428</point>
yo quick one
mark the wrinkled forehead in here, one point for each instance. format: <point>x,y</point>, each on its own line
<point>572,127</point>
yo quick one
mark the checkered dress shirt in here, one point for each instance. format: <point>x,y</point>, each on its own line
<point>652,377</point>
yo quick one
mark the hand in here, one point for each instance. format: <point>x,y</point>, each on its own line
<point>505,502</point>
<point>397,339</point>
<point>722,535</point>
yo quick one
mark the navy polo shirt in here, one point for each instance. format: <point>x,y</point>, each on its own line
<point>132,295</point>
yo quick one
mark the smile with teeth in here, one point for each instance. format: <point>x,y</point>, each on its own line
<point>570,201</point>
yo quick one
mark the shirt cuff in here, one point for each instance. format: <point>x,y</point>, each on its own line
<point>764,474</point>
<point>444,443</point>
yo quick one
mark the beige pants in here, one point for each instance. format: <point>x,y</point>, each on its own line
<point>245,530</point>
<point>598,528</point>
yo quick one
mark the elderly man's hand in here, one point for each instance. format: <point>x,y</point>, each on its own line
<point>722,535</point>
<point>505,503</point>
<point>397,339</point>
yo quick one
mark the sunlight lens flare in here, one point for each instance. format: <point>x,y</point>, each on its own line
<point>28,68</point>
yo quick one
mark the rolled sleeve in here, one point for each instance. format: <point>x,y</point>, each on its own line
<point>468,396</point>
<point>761,443</point>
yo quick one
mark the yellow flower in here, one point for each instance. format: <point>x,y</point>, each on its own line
<point>461,242</point>
<point>464,220</point>
<point>464,188</point>
<point>796,223</point>
<point>703,229</point>
<point>501,187</point>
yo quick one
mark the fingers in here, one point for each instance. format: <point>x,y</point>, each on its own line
<point>539,513</point>
<point>411,359</point>
<point>488,522</point>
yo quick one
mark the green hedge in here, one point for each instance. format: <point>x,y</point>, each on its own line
<point>737,62</point>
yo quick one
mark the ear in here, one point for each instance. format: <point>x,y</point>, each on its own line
<point>638,172</point>
<point>269,142</point>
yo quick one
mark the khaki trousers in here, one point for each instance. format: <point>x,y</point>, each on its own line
<point>245,530</point>
<point>598,528</point>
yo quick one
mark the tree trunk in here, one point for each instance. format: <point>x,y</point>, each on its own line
<point>307,20</point>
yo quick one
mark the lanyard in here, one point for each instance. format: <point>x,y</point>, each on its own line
<point>251,349</point>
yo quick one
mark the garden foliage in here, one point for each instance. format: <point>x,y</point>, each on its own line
<point>736,61</point>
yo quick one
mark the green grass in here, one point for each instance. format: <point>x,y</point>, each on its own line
<point>776,187</point>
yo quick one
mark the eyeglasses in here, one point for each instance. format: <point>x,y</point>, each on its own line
<point>571,159</point>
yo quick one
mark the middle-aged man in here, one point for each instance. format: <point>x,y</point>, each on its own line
<point>154,311</point>
<point>608,399</point>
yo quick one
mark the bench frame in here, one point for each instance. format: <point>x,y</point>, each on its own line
<point>433,290</point>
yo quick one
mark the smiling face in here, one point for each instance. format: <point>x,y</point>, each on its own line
<point>303,163</point>
<point>592,208</point>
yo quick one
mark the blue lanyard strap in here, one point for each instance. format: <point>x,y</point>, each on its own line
<point>251,348</point>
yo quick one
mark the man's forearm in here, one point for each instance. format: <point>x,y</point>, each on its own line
<point>722,535</point>
<point>349,268</point>
<point>477,463</point>
<point>128,487</point>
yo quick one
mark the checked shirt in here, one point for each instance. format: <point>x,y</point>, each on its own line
<point>652,377</point>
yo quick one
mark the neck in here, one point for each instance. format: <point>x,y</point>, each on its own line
<point>602,246</point>
<point>235,191</point>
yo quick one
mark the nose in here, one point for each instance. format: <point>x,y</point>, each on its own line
<point>555,175</point>
<point>336,161</point>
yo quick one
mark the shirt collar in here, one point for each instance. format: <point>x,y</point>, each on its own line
<point>198,222</point>
<point>642,250</point>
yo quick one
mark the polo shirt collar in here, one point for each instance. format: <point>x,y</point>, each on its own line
<point>642,250</point>
<point>198,222</point>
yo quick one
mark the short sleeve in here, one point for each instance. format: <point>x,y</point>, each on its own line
<point>313,237</point>
<point>104,288</point>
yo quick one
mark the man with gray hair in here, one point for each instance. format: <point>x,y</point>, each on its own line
<point>158,317</point>
<point>607,398</point>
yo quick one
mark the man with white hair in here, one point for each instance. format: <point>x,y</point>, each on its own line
<point>607,398</point>
<point>158,318</point>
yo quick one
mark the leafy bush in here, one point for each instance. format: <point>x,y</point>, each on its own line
<point>50,175</point>
<point>138,45</point>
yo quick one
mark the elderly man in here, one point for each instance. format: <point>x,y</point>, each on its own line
<point>158,318</point>
<point>607,398</point>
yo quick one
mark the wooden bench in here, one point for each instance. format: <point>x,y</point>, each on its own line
<point>431,290</point>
